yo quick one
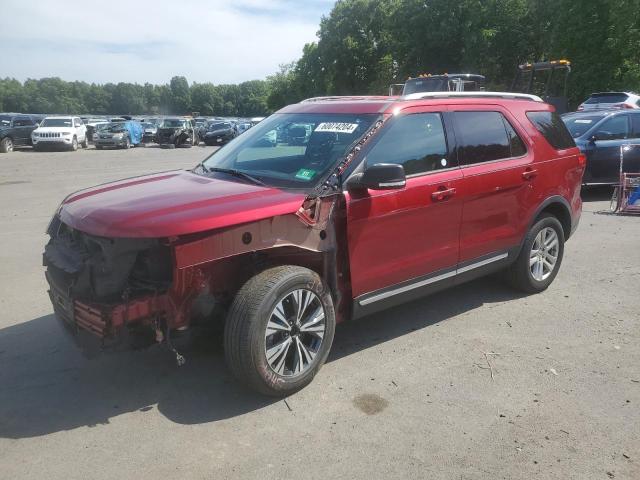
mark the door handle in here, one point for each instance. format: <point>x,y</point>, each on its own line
<point>529,174</point>
<point>442,194</point>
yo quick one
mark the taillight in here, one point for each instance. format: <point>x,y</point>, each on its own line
<point>580,108</point>
<point>626,105</point>
<point>582,159</point>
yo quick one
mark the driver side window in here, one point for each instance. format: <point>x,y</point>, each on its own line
<point>616,128</point>
<point>416,141</point>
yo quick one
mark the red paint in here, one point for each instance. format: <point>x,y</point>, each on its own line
<point>436,222</point>
<point>173,204</point>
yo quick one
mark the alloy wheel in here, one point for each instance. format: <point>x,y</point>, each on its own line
<point>294,333</point>
<point>544,254</point>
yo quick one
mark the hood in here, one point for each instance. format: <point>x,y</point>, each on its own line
<point>172,204</point>
<point>53,129</point>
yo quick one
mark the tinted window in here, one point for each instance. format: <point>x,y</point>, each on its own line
<point>579,125</point>
<point>515,142</point>
<point>415,141</point>
<point>552,128</point>
<point>22,122</point>
<point>635,126</point>
<point>607,98</point>
<point>483,137</point>
<point>614,128</point>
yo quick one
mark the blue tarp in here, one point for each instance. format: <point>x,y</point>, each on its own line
<point>135,129</point>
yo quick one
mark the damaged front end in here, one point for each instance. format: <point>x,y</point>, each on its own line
<point>110,293</point>
<point>122,293</point>
<point>175,137</point>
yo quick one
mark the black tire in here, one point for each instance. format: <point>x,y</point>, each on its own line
<point>98,147</point>
<point>127,143</point>
<point>519,274</point>
<point>85,143</point>
<point>245,328</point>
<point>74,144</point>
<point>6,145</point>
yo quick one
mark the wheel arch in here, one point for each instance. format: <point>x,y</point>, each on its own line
<point>557,206</point>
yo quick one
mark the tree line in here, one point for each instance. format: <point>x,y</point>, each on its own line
<point>365,45</point>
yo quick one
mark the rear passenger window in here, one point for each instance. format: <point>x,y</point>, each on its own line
<point>416,141</point>
<point>552,128</point>
<point>486,136</point>
<point>635,126</point>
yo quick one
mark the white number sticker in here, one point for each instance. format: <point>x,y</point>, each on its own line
<point>334,127</point>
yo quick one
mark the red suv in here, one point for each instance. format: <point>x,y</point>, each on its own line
<point>328,210</point>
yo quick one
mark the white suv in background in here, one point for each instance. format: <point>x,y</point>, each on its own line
<point>62,131</point>
<point>610,100</point>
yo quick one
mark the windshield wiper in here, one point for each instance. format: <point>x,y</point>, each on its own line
<point>234,172</point>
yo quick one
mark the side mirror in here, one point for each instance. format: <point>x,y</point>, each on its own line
<point>381,176</point>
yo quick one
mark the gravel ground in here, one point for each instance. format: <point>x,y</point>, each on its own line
<point>407,393</point>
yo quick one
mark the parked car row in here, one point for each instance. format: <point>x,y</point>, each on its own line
<point>39,131</point>
<point>601,125</point>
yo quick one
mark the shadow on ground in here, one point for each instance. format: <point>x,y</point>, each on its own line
<point>48,386</point>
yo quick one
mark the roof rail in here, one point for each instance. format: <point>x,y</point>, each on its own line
<point>481,94</point>
<point>345,98</point>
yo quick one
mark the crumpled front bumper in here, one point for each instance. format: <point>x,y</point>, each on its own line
<point>98,327</point>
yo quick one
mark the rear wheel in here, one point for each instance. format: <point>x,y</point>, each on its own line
<point>6,145</point>
<point>279,330</point>
<point>85,142</point>
<point>539,261</point>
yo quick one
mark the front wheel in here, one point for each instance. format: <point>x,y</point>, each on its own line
<point>6,145</point>
<point>279,330</point>
<point>74,144</point>
<point>540,258</point>
<point>85,142</point>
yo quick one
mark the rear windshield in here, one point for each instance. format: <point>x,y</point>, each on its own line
<point>552,128</point>
<point>579,125</point>
<point>607,98</point>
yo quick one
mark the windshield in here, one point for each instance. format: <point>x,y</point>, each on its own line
<point>578,126</point>
<point>5,121</point>
<point>114,127</point>
<point>218,126</point>
<point>56,122</point>
<point>173,123</point>
<point>148,125</point>
<point>293,150</point>
<point>416,85</point>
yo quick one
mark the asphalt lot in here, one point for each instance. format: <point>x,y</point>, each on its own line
<point>407,393</point>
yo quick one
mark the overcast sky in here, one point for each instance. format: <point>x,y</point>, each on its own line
<point>152,40</point>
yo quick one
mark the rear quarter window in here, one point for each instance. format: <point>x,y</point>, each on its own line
<point>552,128</point>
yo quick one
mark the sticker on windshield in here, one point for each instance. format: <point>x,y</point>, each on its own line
<point>335,127</point>
<point>583,121</point>
<point>305,174</point>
